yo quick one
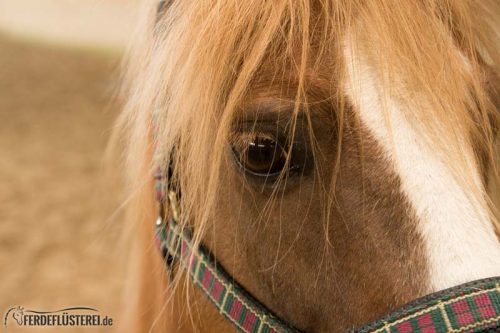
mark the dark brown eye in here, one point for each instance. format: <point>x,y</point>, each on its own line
<point>260,154</point>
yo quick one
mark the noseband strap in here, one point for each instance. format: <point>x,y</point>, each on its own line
<point>472,307</point>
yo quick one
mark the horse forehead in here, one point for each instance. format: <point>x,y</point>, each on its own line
<point>459,236</point>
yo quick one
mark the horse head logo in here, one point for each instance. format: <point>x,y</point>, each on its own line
<point>18,315</point>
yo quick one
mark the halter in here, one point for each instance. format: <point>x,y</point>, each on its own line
<point>471,307</point>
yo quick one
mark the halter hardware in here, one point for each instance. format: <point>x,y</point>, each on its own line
<point>172,199</point>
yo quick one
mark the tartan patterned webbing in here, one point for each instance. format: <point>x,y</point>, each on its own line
<point>472,307</point>
<point>230,299</point>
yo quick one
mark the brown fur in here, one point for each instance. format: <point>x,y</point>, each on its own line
<point>359,274</point>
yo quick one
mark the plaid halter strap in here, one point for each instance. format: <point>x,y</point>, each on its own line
<point>471,307</point>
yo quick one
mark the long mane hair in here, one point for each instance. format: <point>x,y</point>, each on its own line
<point>190,69</point>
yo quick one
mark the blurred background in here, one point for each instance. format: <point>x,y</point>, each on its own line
<point>59,225</point>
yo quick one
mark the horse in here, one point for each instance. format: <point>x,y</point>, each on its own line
<point>330,158</point>
<point>17,314</point>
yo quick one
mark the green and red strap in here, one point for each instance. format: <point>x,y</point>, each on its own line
<point>230,299</point>
<point>176,246</point>
<point>473,307</point>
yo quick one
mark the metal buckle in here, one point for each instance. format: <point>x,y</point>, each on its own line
<point>172,199</point>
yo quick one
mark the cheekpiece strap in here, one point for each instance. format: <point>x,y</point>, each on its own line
<point>231,300</point>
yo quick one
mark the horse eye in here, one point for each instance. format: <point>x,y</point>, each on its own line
<point>260,154</point>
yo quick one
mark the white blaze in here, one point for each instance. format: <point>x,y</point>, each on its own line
<point>459,238</point>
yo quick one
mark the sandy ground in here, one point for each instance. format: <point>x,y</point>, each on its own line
<point>58,247</point>
<point>102,24</point>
